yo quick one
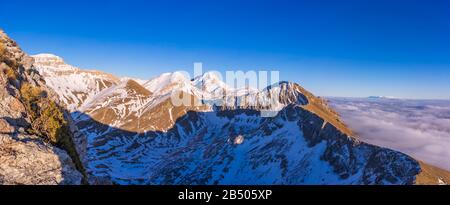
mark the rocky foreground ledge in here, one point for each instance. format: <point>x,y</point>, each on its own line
<point>28,153</point>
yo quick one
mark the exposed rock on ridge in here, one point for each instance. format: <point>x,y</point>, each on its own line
<point>26,156</point>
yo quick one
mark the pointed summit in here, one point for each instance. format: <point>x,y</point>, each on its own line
<point>134,87</point>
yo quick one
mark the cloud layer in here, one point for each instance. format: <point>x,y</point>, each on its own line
<point>416,127</point>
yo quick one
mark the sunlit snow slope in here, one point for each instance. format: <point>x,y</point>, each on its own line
<point>136,135</point>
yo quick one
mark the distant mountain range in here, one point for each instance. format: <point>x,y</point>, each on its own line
<point>128,131</point>
<point>381,97</point>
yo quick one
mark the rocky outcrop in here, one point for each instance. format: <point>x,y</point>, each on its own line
<point>28,155</point>
<point>26,159</point>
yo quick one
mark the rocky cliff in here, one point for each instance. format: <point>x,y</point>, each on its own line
<point>36,145</point>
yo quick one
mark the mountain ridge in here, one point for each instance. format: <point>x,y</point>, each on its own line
<point>36,143</point>
<point>129,131</point>
<point>292,96</point>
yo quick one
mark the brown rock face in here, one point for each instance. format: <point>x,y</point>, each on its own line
<point>432,175</point>
<point>29,161</point>
<point>25,157</point>
<point>5,127</point>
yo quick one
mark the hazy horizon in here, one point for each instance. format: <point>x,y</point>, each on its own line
<point>416,127</point>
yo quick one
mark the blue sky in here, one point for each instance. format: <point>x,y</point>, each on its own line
<point>333,48</point>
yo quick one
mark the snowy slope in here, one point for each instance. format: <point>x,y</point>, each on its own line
<point>202,148</point>
<point>136,135</point>
<point>73,85</point>
<point>230,145</point>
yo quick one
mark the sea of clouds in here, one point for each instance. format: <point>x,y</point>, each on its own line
<point>419,128</point>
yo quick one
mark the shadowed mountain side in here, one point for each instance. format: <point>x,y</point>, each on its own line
<point>240,147</point>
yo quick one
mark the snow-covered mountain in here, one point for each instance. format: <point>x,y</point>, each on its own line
<point>73,85</point>
<point>136,135</point>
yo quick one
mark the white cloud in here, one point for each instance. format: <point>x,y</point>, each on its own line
<point>418,128</point>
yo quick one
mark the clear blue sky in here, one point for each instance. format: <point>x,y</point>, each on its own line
<point>333,48</point>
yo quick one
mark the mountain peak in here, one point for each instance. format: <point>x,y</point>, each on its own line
<point>45,55</point>
<point>166,83</point>
<point>47,58</point>
<point>134,86</point>
<point>214,76</point>
<point>46,62</point>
